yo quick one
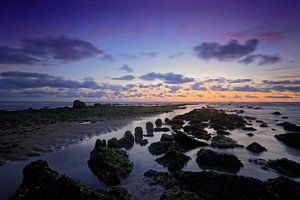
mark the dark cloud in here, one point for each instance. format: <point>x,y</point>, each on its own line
<point>126,68</point>
<point>239,80</point>
<point>248,88</point>
<point>169,78</point>
<point>200,95</point>
<point>198,86</point>
<point>125,78</point>
<point>18,74</point>
<point>218,88</point>
<point>173,88</point>
<point>231,51</point>
<point>218,80</point>
<point>282,82</point>
<point>283,88</point>
<point>176,55</point>
<point>151,54</point>
<point>261,58</point>
<point>47,49</point>
<point>279,97</point>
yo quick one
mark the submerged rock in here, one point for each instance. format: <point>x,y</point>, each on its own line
<point>285,166</point>
<point>110,165</point>
<point>78,104</point>
<point>250,134</point>
<point>222,141</point>
<point>256,148</point>
<point>249,129</point>
<point>210,159</point>
<point>41,182</point>
<point>174,160</point>
<point>291,139</point>
<point>187,143</point>
<point>158,123</point>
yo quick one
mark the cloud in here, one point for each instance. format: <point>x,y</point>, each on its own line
<point>248,88</point>
<point>251,97</point>
<point>282,88</point>
<point>176,55</point>
<point>282,82</point>
<point>173,88</point>
<point>198,86</point>
<point>169,78</point>
<point>218,88</point>
<point>125,78</point>
<point>126,68</point>
<point>278,97</point>
<point>151,54</point>
<point>218,80</point>
<point>128,55</point>
<point>261,58</point>
<point>239,80</point>
<point>47,49</point>
<point>200,95</point>
<point>231,51</point>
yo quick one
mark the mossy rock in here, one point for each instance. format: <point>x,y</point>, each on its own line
<point>174,160</point>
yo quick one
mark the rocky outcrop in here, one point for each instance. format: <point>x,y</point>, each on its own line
<point>110,165</point>
<point>224,142</point>
<point>125,142</point>
<point>256,148</point>
<point>159,148</point>
<point>276,113</point>
<point>284,188</point>
<point>187,143</point>
<point>158,123</point>
<point>78,104</point>
<point>100,143</point>
<point>289,126</point>
<point>290,139</point>
<point>285,166</point>
<point>149,128</point>
<point>41,182</point>
<point>173,159</point>
<point>209,159</point>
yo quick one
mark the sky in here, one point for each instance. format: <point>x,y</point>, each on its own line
<point>158,50</point>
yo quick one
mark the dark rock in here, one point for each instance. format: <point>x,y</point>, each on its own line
<point>187,143</point>
<point>165,137</point>
<point>174,160</point>
<point>289,126</point>
<point>175,122</point>
<point>41,182</point>
<point>78,104</point>
<point>127,141</point>
<point>291,139</point>
<point>163,129</point>
<point>149,128</point>
<point>110,165</point>
<point>158,148</point>
<point>210,159</point>
<point>167,120</point>
<point>222,141</point>
<point>195,127</point>
<point>250,134</point>
<point>176,127</point>
<point>100,143</point>
<point>143,142</point>
<point>222,132</point>
<point>250,118</point>
<point>259,121</point>
<point>284,188</point>
<point>264,125</point>
<point>138,134</point>
<point>112,143</point>
<point>284,117</point>
<point>158,123</point>
<point>276,113</point>
<point>202,135</point>
<point>249,129</point>
<point>256,148</point>
<point>176,193</point>
<point>285,166</point>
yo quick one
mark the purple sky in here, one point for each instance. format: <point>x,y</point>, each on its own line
<point>229,50</point>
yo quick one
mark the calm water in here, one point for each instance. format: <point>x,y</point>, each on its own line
<point>72,161</point>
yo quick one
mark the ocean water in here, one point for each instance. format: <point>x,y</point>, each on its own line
<point>72,161</point>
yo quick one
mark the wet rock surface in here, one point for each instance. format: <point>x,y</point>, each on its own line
<point>256,148</point>
<point>162,129</point>
<point>291,139</point>
<point>159,148</point>
<point>224,142</point>
<point>187,143</point>
<point>285,166</point>
<point>289,126</point>
<point>158,123</point>
<point>110,165</point>
<point>149,128</point>
<point>41,182</point>
<point>209,159</point>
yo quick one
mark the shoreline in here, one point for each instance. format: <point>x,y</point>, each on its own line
<point>41,139</point>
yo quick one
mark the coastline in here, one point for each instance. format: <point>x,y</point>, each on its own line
<point>35,140</point>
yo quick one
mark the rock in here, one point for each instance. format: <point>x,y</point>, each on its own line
<point>176,127</point>
<point>284,188</point>
<point>259,121</point>
<point>222,141</point>
<point>200,135</point>
<point>222,132</point>
<point>138,134</point>
<point>41,182</point>
<point>291,139</point>
<point>175,122</point>
<point>158,123</point>
<point>264,125</point>
<point>195,127</point>
<point>167,120</point>
<point>176,193</point>
<point>149,128</point>
<point>110,165</point>
<point>127,141</point>
<point>210,159</point>
<point>210,185</point>
<point>78,104</point>
<point>158,148</point>
<point>285,166</point>
<point>187,143</point>
<point>276,113</point>
<point>100,143</point>
<point>256,148</point>
<point>284,117</point>
<point>165,137</point>
<point>250,134</point>
<point>174,160</point>
<point>164,129</point>
<point>143,142</point>
<point>289,126</point>
<point>249,129</point>
<point>112,143</point>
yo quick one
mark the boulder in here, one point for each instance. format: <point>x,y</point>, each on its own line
<point>248,128</point>
<point>276,113</point>
<point>291,139</point>
<point>222,132</point>
<point>159,148</point>
<point>200,135</point>
<point>158,123</point>
<point>138,134</point>
<point>256,148</point>
<point>149,128</point>
<point>284,188</point>
<point>173,159</point>
<point>285,166</point>
<point>166,137</point>
<point>210,159</point>
<point>162,129</point>
<point>167,120</point>
<point>41,182</point>
<point>250,134</point>
<point>100,143</point>
<point>78,104</point>
<point>187,143</point>
<point>110,165</point>
<point>222,141</point>
<point>289,126</point>
<point>127,141</point>
<point>264,125</point>
<point>112,143</point>
<point>143,142</point>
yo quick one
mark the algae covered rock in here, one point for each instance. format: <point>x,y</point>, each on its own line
<point>173,159</point>
<point>187,143</point>
<point>110,165</point>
